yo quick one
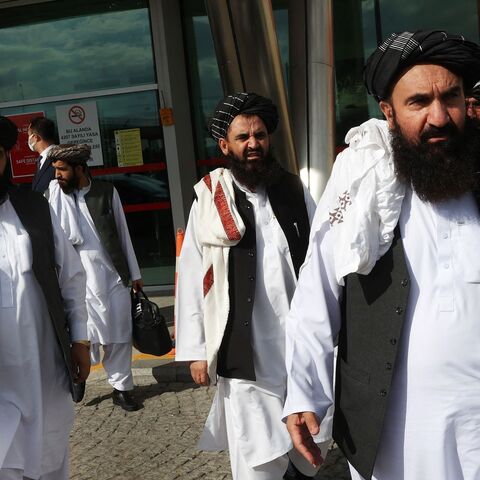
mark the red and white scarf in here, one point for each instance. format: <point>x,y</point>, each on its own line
<point>219,227</point>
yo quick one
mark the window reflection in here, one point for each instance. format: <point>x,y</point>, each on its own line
<point>56,53</point>
<point>117,112</point>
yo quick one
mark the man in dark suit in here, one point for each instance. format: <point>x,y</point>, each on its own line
<point>41,138</point>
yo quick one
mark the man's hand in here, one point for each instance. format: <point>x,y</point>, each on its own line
<point>137,284</point>
<point>81,362</point>
<point>199,372</point>
<point>301,426</point>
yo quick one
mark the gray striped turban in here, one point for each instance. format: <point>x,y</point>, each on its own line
<point>71,153</point>
<point>242,104</point>
<point>402,50</point>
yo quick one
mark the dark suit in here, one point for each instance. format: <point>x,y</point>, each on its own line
<point>43,177</point>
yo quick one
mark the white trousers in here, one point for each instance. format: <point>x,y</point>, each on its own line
<point>16,474</point>
<point>273,470</point>
<point>117,362</point>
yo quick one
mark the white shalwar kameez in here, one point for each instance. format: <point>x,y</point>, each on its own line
<point>108,300</point>
<point>246,415</point>
<point>36,408</point>
<point>432,424</point>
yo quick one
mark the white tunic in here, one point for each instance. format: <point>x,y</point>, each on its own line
<point>432,424</point>
<point>258,405</point>
<point>36,409</point>
<point>108,300</point>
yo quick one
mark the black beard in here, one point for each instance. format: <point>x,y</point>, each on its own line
<point>253,173</point>
<point>438,172</point>
<point>70,185</point>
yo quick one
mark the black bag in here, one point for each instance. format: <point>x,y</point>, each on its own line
<point>150,332</point>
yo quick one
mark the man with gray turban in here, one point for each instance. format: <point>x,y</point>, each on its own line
<point>92,217</point>
<point>245,241</point>
<point>393,273</point>
<point>43,331</point>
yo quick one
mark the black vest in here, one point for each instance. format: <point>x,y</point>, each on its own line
<point>34,214</point>
<point>373,314</point>
<point>235,357</point>
<point>99,203</point>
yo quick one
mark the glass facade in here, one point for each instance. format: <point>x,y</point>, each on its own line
<point>62,52</point>
<point>100,52</point>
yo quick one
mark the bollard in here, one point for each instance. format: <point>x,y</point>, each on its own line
<point>178,244</point>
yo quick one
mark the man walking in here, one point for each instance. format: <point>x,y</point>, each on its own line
<point>245,241</point>
<point>393,272</point>
<point>41,139</point>
<point>43,331</point>
<point>91,215</point>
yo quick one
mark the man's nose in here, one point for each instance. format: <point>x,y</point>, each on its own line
<point>438,115</point>
<point>252,141</point>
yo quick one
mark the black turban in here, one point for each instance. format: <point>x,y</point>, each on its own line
<point>71,153</point>
<point>8,133</point>
<point>402,50</point>
<point>242,104</point>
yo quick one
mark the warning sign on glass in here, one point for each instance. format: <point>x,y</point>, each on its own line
<point>23,159</point>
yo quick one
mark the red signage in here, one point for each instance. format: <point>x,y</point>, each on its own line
<point>22,158</point>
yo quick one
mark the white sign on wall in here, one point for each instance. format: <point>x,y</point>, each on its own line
<point>78,123</point>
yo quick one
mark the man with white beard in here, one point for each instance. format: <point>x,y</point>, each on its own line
<point>393,274</point>
<point>43,331</point>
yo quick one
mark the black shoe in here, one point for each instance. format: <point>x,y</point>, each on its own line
<point>125,400</point>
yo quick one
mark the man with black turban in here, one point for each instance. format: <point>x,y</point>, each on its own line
<point>245,241</point>
<point>393,273</point>
<point>43,330</point>
<point>473,104</point>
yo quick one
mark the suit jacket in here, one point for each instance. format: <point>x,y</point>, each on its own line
<point>43,177</point>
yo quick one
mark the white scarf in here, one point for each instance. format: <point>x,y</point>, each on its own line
<point>219,227</point>
<point>362,200</point>
<point>66,210</point>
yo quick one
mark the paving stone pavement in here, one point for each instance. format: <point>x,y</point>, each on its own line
<point>156,442</point>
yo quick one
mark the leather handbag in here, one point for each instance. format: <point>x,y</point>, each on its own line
<point>150,332</point>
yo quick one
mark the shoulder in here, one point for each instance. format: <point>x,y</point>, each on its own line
<point>31,207</point>
<point>26,195</point>
<point>100,186</point>
<point>288,180</point>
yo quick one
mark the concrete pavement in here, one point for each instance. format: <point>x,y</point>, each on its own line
<point>157,442</point>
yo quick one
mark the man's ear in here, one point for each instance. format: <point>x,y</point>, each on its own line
<point>387,109</point>
<point>222,143</point>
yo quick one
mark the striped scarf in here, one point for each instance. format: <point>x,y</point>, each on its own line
<point>219,228</point>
